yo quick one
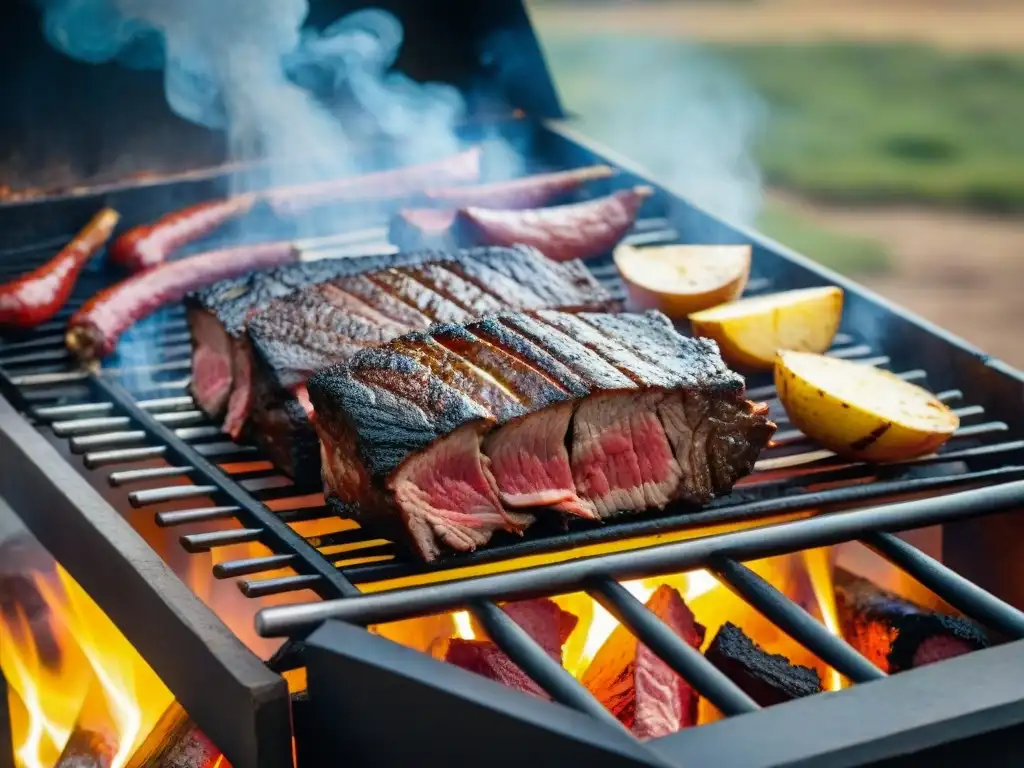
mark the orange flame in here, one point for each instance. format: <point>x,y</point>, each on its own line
<point>819,570</point>
<point>101,682</point>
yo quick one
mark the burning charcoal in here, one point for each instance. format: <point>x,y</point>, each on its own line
<point>176,742</point>
<point>766,677</point>
<point>636,686</point>
<point>22,560</point>
<point>896,634</point>
<point>543,620</point>
<point>87,749</point>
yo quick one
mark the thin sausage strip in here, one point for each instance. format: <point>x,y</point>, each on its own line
<point>95,329</point>
<point>38,296</point>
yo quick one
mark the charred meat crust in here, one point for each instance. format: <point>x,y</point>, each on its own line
<point>234,301</point>
<point>300,334</point>
<point>388,405</point>
<point>395,406</point>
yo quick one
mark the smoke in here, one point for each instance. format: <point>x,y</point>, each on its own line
<point>684,115</point>
<point>248,68</point>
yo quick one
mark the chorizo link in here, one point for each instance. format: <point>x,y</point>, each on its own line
<point>36,297</point>
<point>95,328</point>
<point>147,245</point>
<point>527,192</point>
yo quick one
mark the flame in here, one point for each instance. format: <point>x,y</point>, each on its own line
<point>463,625</point>
<point>819,570</point>
<point>100,683</point>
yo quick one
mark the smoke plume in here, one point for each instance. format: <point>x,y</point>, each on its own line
<point>250,69</point>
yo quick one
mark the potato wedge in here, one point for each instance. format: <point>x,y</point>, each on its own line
<point>680,279</point>
<point>750,331</point>
<point>858,411</point>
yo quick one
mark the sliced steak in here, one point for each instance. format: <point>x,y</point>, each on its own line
<point>455,432</point>
<point>287,346</point>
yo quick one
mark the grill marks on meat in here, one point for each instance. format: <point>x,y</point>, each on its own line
<point>460,430</point>
<point>264,335</point>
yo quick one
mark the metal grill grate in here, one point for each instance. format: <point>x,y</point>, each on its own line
<point>127,413</point>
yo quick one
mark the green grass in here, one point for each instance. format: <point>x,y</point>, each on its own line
<point>847,254</point>
<point>844,122</point>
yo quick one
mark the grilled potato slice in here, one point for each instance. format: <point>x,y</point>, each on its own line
<point>680,279</point>
<point>858,411</point>
<point>751,331</point>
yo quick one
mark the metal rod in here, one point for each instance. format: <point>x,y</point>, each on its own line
<point>78,409</point>
<point>795,621</point>
<point>151,496</point>
<point>557,578</point>
<point>123,456</point>
<point>86,442</point>
<point>201,515</point>
<point>268,587</point>
<point>808,457</point>
<point>846,353</point>
<point>43,379</point>
<point>127,476</point>
<point>537,664</point>
<point>279,536</point>
<point>726,510</point>
<point>961,593</point>
<point>687,661</point>
<point>31,358</point>
<point>251,565</point>
<point>204,542</point>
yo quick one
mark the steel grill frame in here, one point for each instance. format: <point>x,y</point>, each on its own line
<point>112,427</point>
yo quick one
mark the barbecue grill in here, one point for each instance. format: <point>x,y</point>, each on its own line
<point>119,475</point>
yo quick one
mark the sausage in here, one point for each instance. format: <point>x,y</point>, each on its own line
<point>36,297</point>
<point>395,183</point>
<point>95,328</point>
<point>527,192</point>
<point>147,245</point>
<point>561,233</point>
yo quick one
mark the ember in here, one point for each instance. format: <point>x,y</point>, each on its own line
<point>80,696</point>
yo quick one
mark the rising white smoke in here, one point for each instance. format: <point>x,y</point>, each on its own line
<point>244,67</point>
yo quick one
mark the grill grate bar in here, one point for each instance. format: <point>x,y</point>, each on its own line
<point>677,557</point>
<point>91,409</point>
<point>535,662</point>
<point>125,477</point>
<point>82,426</point>
<point>203,515</point>
<point>276,533</point>
<point>795,621</point>
<point>195,543</point>
<point>685,660</point>
<point>959,592</point>
<point>800,500</point>
<point>150,496</point>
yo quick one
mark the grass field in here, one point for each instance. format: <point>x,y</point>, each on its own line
<point>846,122</point>
<point>854,123</point>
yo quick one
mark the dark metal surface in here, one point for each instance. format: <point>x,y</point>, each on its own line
<point>373,702</point>
<point>912,718</point>
<point>665,559</point>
